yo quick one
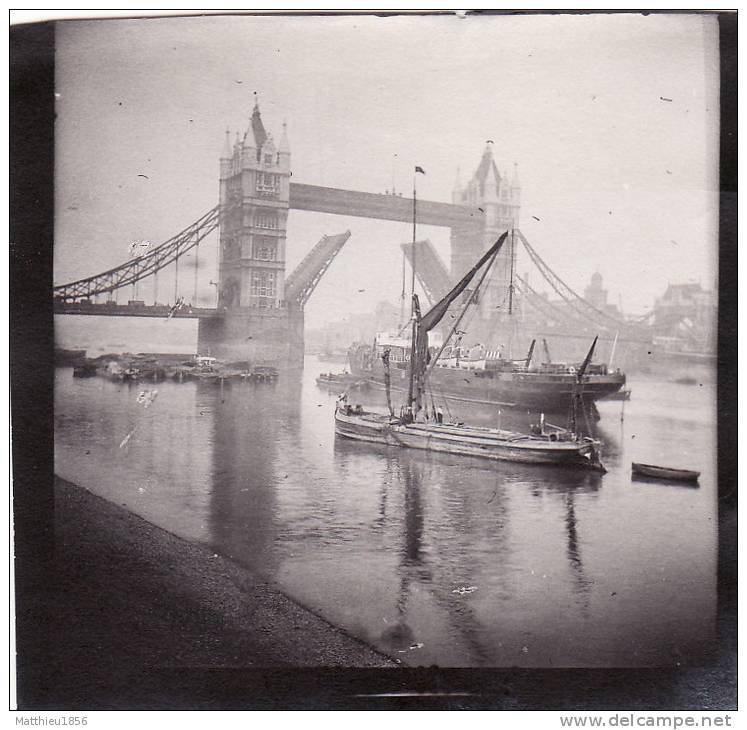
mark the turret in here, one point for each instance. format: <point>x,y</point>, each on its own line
<point>489,176</point>
<point>237,148</point>
<point>515,196</point>
<point>515,184</point>
<point>283,154</point>
<point>225,156</point>
<point>457,192</point>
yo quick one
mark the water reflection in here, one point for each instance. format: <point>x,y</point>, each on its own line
<point>457,524</point>
<point>400,636</point>
<point>582,582</point>
<point>246,419</point>
<point>569,567</point>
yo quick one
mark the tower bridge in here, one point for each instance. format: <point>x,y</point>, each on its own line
<point>259,309</point>
<point>259,312</point>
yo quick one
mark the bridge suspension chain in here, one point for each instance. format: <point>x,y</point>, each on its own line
<point>584,308</point>
<point>539,303</point>
<point>143,266</point>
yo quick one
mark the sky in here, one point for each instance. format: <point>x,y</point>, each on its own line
<point>611,119</point>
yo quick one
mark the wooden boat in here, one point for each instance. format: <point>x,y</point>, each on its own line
<point>487,443</point>
<point>413,429</point>
<point>340,381</point>
<point>663,472</point>
<point>262,374</point>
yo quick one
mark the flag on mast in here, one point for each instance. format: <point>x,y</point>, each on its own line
<point>419,169</point>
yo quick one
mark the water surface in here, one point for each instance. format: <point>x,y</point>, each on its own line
<point>568,568</point>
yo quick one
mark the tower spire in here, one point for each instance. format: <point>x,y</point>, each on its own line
<point>258,129</point>
<point>226,154</point>
<point>284,144</point>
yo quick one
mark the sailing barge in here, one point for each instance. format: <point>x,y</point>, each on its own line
<point>548,448</point>
<point>416,428</point>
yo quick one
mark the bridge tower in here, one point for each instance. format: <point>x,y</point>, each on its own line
<point>500,198</point>
<point>254,187</point>
<point>257,324</point>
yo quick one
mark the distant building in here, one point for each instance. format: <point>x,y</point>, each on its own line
<point>684,318</point>
<point>596,295</point>
<point>561,315</point>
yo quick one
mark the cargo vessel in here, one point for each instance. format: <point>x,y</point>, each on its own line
<point>481,375</point>
<point>421,427</point>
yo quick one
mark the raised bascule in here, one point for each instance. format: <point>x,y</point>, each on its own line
<point>259,314</point>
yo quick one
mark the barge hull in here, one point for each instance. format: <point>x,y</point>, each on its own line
<point>453,440</point>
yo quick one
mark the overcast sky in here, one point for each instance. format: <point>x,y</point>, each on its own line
<point>612,119</point>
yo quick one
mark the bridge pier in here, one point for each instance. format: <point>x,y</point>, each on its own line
<point>263,337</point>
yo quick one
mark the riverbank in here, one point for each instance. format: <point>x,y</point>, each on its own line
<point>130,597</point>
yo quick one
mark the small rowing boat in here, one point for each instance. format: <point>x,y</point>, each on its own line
<point>663,472</point>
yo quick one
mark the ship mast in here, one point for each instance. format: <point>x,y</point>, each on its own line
<point>458,321</point>
<point>423,325</point>
<point>415,310</point>
<point>414,229</point>
<point>577,398</point>
<point>513,324</point>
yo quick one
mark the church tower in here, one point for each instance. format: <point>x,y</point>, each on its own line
<point>254,187</point>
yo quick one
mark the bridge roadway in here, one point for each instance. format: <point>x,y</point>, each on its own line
<point>135,310</point>
<point>382,207</point>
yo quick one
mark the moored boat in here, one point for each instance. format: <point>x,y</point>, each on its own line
<point>340,381</point>
<point>418,428</point>
<point>664,472</point>
<point>481,375</point>
<point>560,448</point>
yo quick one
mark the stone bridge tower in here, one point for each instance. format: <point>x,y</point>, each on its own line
<point>257,323</point>
<point>254,187</point>
<point>500,198</point>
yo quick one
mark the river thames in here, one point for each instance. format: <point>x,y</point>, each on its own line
<point>432,558</point>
